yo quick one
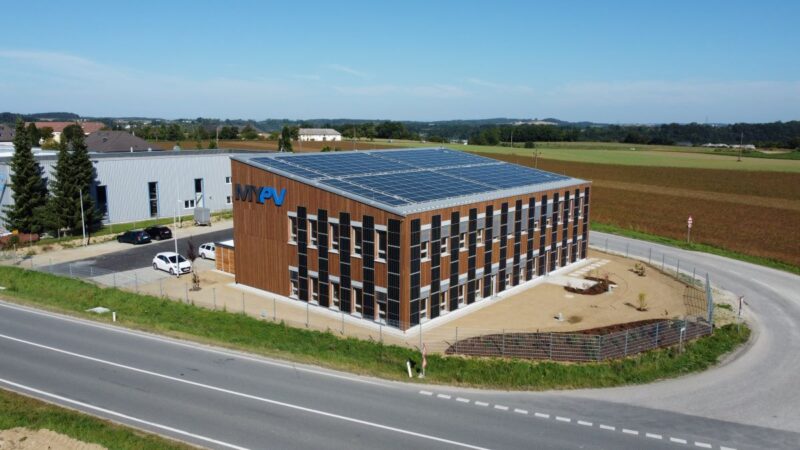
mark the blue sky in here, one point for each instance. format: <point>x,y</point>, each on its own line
<point>616,61</point>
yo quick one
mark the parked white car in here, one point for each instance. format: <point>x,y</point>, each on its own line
<point>208,251</point>
<point>172,262</point>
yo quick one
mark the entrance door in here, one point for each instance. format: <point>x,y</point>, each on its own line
<point>199,198</point>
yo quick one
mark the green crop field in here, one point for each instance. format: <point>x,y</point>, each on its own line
<point>631,155</point>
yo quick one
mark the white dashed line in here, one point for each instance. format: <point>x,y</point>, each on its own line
<point>563,419</point>
<point>481,404</point>
<point>653,436</point>
<point>627,431</point>
<point>501,407</point>
<point>542,415</point>
<point>702,444</point>
<point>462,399</point>
<point>444,396</point>
<point>520,411</point>
<point>726,448</point>
<point>585,423</point>
<point>426,392</point>
<point>677,441</point>
<point>607,427</point>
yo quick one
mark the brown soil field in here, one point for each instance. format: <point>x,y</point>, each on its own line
<point>273,145</point>
<point>757,213</point>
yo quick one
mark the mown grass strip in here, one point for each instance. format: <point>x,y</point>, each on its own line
<point>21,411</point>
<point>349,354</point>
<point>699,247</point>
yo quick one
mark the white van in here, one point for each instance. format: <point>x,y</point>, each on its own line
<point>208,250</point>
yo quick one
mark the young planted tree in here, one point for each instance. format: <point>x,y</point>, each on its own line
<point>28,186</point>
<point>285,138</point>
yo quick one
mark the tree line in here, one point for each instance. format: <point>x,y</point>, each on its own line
<point>51,203</point>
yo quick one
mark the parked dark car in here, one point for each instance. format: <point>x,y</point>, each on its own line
<point>159,233</point>
<point>134,237</point>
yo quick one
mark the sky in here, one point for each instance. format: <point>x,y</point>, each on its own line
<point>612,62</point>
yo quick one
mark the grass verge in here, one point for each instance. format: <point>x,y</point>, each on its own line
<point>21,411</point>
<point>699,247</point>
<point>242,332</point>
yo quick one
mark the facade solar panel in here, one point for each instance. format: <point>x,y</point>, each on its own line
<point>402,179</point>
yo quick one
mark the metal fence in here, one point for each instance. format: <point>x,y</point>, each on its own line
<point>582,347</point>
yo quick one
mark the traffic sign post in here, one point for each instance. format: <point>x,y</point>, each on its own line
<point>689,230</point>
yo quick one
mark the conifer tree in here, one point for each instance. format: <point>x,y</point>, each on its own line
<point>29,189</point>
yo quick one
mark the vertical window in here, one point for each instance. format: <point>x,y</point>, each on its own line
<point>312,224</point>
<point>293,230</point>
<point>381,247</point>
<point>294,289</point>
<point>508,279</point>
<point>479,288</point>
<point>358,300</point>
<point>423,308</point>
<point>335,295</point>
<point>443,301</point>
<point>314,288</point>
<point>381,301</point>
<point>462,241</point>
<point>461,290</point>
<point>423,250</point>
<point>549,220</point>
<point>227,180</point>
<point>479,236</point>
<point>445,248</point>
<point>228,200</point>
<point>334,236</point>
<point>536,224</point>
<point>357,241</point>
<point>152,191</point>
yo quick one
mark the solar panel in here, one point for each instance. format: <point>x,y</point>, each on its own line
<point>404,177</point>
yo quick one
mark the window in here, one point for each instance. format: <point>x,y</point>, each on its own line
<point>358,299</point>
<point>102,199</point>
<point>423,309</point>
<point>294,291</point>
<point>334,237</point>
<point>445,248</point>
<point>335,296</point>
<point>313,284</point>
<point>479,288</point>
<point>152,192</point>
<point>381,302</point>
<point>536,224</point>
<point>549,221</point>
<point>443,302</point>
<point>198,192</point>
<point>462,241</point>
<point>293,230</point>
<point>228,200</point>
<point>227,180</point>
<point>479,236</point>
<point>188,204</point>
<point>508,278</point>
<point>381,247</point>
<point>357,235</point>
<point>461,291</point>
<point>312,224</point>
<point>423,250</point>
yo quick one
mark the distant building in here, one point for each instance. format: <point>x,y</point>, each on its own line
<point>7,133</point>
<point>58,127</point>
<point>116,141</point>
<point>319,134</point>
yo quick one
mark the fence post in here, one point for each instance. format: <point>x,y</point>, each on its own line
<point>456,342</point>
<point>380,332</point>
<point>114,278</point>
<point>599,346</point>
<point>160,287</point>
<point>657,324</point>
<point>186,291</point>
<point>650,255</point>
<point>50,268</point>
<point>307,306</point>
<point>91,271</point>
<point>420,337</point>
<point>606,245</point>
<point>503,348</point>
<point>243,311</point>
<point>663,262</point>
<point>709,301</point>
<point>214,297</point>
<point>678,269</point>
<point>626,342</point>
<point>70,270</point>
<point>551,346</point>
<point>136,281</point>
<point>694,270</point>
<point>342,322</point>
<point>274,309</point>
<point>627,245</point>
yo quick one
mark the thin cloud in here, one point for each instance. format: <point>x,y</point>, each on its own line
<point>502,88</point>
<point>348,70</point>
<point>431,91</point>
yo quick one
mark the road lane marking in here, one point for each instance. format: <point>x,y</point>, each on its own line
<point>481,403</point>
<point>444,396</point>
<point>653,435</point>
<point>726,448</point>
<point>248,396</point>
<point>677,440</point>
<point>607,427</point>
<point>190,345</point>
<point>120,415</point>
<point>627,431</point>
<point>501,407</point>
<point>563,419</point>
<point>542,415</point>
<point>702,444</point>
<point>462,399</point>
<point>426,392</point>
<point>520,411</point>
<point>585,423</point>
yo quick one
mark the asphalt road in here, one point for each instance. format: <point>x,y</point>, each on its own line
<point>139,256</point>
<point>223,399</point>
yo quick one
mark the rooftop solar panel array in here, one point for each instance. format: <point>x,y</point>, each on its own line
<point>403,178</point>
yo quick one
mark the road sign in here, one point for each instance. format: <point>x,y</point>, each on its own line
<point>689,222</point>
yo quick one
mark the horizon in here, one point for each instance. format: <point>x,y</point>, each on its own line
<point>629,63</point>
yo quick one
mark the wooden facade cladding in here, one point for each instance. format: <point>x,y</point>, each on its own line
<point>264,253</point>
<point>224,259</point>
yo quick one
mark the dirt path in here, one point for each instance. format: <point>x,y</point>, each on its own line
<point>25,439</point>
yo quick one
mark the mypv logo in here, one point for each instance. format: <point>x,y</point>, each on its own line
<point>261,194</point>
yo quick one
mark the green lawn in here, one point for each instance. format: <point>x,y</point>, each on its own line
<point>631,155</point>
<point>20,411</point>
<point>359,356</point>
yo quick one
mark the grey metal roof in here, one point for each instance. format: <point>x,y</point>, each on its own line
<point>323,131</point>
<point>107,141</point>
<point>153,154</point>
<point>407,181</point>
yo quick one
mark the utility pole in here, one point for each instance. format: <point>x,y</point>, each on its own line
<point>83,220</point>
<point>512,137</point>
<point>175,229</point>
<point>741,144</point>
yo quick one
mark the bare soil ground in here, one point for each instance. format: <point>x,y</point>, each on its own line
<point>25,439</point>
